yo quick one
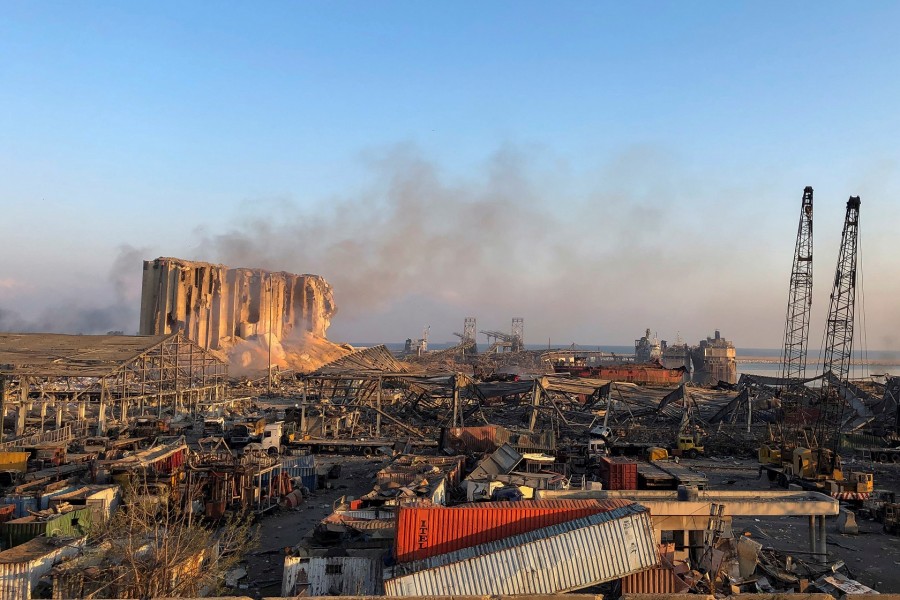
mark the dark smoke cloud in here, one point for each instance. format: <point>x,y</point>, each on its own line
<point>115,309</point>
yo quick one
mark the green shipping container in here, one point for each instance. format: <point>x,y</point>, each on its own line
<point>74,523</point>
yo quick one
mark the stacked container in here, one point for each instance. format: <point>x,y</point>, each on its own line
<point>618,473</point>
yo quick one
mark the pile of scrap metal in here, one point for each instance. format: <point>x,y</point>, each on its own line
<point>219,482</point>
<point>507,474</point>
<point>413,478</point>
<point>740,565</point>
<point>869,421</point>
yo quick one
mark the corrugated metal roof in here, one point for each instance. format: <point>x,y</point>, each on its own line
<point>54,354</point>
<point>560,558</point>
<point>368,360</point>
<point>574,385</point>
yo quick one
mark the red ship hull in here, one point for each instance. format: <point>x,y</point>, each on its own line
<point>630,373</point>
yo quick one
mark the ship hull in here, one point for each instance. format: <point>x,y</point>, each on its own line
<point>628,373</point>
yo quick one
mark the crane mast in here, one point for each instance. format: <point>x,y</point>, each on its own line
<point>796,327</point>
<point>839,326</point>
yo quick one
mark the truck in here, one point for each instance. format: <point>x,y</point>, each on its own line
<point>271,437</point>
<point>214,427</point>
<point>246,431</point>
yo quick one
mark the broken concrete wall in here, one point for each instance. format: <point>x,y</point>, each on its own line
<point>213,304</point>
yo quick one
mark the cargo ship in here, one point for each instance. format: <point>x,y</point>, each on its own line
<point>714,361</point>
<point>652,372</point>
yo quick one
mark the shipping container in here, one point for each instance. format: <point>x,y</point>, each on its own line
<point>556,559</point>
<point>102,499</point>
<point>618,473</point>
<point>424,531</point>
<point>25,505</point>
<point>334,575</point>
<point>74,523</point>
<point>658,580</point>
<point>303,467</point>
<point>14,461</point>
<point>46,496</point>
<point>488,438</point>
<point>22,567</point>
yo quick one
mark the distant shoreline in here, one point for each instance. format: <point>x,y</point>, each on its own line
<point>880,362</point>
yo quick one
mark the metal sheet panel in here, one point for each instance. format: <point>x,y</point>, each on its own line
<point>657,580</point>
<point>47,496</point>
<point>343,576</point>
<point>555,559</point>
<point>22,568</point>
<point>305,461</point>
<point>295,571</point>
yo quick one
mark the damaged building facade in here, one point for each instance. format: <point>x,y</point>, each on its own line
<point>214,305</point>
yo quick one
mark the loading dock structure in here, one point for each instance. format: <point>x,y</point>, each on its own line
<point>673,511</point>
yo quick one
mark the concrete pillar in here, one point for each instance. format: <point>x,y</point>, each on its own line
<point>24,384</point>
<point>3,391</point>
<point>378,414</point>
<point>124,411</point>
<point>823,542</point>
<point>43,414</point>
<point>20,418</point>
<point>101,415</point>
<point>59,416</point>
<point>812,534</point>
<point>82,406</point>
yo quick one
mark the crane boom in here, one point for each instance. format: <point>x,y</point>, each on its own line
<point>839,326</point>
<point>796,327</point>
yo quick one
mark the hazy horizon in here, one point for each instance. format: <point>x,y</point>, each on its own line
<point>594,168</point>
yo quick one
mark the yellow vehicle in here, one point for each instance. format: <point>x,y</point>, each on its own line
<point>689,445</point>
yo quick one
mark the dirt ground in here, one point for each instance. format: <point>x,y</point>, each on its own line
<point>872,557</point>
<point>287,527</point>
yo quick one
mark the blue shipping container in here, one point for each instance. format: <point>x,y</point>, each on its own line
<point>25,505</point>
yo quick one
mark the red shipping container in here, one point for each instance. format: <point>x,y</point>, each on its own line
<point>428,531</point>
<point>618,473</point>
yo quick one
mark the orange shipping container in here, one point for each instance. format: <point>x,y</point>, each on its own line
<point>428,531</point>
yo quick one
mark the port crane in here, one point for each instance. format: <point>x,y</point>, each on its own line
<point>796,335</point>
<point>796,328</point>
<point>813,462</point>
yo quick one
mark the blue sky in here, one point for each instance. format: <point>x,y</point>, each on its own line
<point>596,168</point>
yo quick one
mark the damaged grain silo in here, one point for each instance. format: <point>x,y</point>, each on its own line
<point>220,307</point>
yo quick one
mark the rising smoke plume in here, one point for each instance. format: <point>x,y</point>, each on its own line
<point>115,306</point>
<point>510,240</point>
